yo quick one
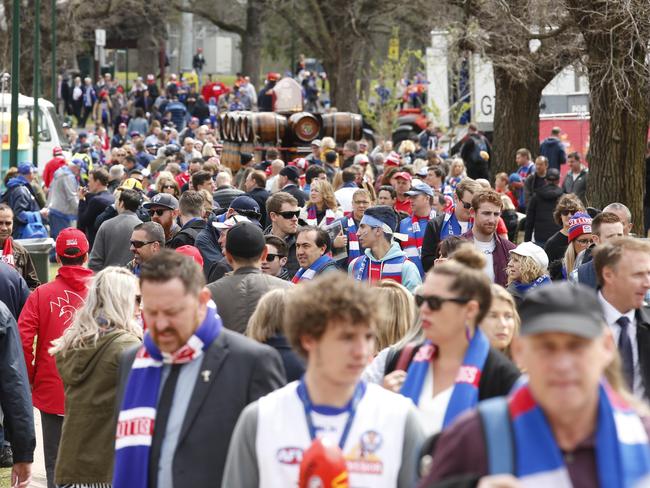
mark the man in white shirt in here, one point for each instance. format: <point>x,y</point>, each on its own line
<point>332,325</point>
<point>623,271</point>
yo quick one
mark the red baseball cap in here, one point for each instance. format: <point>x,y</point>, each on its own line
<point>403,174</point>
<point>192,252</point>
<point>69,239</point>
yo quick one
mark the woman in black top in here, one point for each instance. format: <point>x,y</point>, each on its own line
<point>566,206</point>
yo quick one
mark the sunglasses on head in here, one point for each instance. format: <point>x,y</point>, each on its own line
<point>271,257</point>
<point>159,211</point>
<point>139,244</point>
<point>289,214</point>
<point>434,302</point>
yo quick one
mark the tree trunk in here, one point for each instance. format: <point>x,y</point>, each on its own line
<point>342,74</point>
<point>516,119</point>
<point>251,42</point>
<point>148,47</point>
<point>617,148</point>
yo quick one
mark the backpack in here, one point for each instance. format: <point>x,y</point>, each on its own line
<point>34,228</point>
<point>499,440</point>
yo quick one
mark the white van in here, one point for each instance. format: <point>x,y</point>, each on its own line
<point>50,129</point>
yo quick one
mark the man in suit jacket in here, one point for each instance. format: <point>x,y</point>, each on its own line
<point>206,376</point>
<point>623,271</point>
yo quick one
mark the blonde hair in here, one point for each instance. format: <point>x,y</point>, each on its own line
<point>457,162</point>
<point>500,293</point>
<point>529,269</point>
<point>406,146</point>
<point>569,259</point>
<point>614,376</point>
<point>327,193</point>
<point>507,203</point>
<point>327,143</point>
<point>398,314</point>
<point>267,318</point>
<point>110,305</point>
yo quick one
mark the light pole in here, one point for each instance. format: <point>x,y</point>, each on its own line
<point>15,79</point>
<point>54,78</point>
<point>37,78</point>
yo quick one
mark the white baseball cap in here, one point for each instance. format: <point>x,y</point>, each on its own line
<point>532,251</point>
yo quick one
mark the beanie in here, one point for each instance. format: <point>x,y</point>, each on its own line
<point>579,223</point>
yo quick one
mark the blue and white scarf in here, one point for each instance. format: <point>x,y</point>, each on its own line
<point>311,272</point>
<point>136,420</point>
<point>622,450</point>
<point>451,226</point>
<point>523,288</point>
<point>465,393</point>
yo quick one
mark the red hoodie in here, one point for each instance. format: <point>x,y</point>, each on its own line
<point>48,312</point>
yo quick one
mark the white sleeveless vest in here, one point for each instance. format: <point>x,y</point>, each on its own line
<point>373,449</point>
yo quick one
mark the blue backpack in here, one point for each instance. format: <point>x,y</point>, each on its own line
<point>34,228</point>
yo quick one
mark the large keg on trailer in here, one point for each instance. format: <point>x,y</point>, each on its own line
<point>245,127</point>
<point>235,117</point>
<point>222,118</point>
<point>342,126</point>
<point>305,126</point>
<point>269,127</point>
<point>225,130</point>
<point>248,147</point>
<point>230,156</point>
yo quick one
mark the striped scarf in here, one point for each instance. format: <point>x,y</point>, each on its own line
<point>451,226</point>
<point>622,451</point>
<point>312,217</point>
<point>414,227</point>
<point>354,248</point>
<point>136,420</point>
<point>465,393</point>
<point>366,269</point>
<point>311,272</point>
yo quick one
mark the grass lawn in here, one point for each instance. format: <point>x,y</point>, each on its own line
<point>5,478</point>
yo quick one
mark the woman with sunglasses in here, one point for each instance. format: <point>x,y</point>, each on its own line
<point>165,183</point>
<point>579,239</point>
<point>87,357</point>
<point>556,245</point>
<point>454,367</point>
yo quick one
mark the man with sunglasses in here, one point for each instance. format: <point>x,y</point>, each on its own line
<point>147,239</point>
<point>237,294</point>
<point>163,209</point>
<point>276,258</point>
<point>444,225</point>
<point>282,209</point>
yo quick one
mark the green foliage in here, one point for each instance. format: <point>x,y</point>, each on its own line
<point>382,112</point>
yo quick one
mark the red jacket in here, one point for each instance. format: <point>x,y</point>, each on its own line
<point>49,310</point>
<point>50,168</point>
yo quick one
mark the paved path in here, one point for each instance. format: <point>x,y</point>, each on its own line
<point>39,479</point>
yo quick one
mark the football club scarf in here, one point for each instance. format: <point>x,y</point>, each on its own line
<point>313,270</point>
<point>622,451</point>
<point>8,252</point>
<point>451,226</point>
<point>312,217</point>
<point>354,248</point>
<point>366,269</point>
<point>414,227</point>
<point>136,420</point>
<point>523,288</point>
<point>465,393</point>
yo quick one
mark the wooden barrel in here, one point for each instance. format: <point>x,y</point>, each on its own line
<point>245,127</point>
<point>230,155</point>
<point>269,127</point>
<point>226,127</point>
<point>234,126</point>
<point>305,126</point>
<point>342,126</point>
<point>222,118</point>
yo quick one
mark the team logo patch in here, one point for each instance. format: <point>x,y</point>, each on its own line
<point>363,457</point>
<point>289,455</point>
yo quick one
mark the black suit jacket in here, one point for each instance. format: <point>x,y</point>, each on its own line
<point>242,371</point>
<point>643,343</point>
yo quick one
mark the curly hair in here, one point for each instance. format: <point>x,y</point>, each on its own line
<point>315,305</point>
<point>568,202</point>
<point>528,268</point>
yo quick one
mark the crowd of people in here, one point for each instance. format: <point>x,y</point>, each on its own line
<point>363,313</point>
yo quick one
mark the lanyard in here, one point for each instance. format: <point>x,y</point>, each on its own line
<point>351,407</point>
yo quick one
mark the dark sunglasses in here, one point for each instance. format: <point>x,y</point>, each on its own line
<point>289,215</point>
<point>139,244</point>
<point>169,187</point>
<point>271,257</point>
<point>466,205</point>
<point>138,299</point>
<point>585,242</point>
<point>567,212</point>
<point>159,212</point>
<point>434,302</point>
